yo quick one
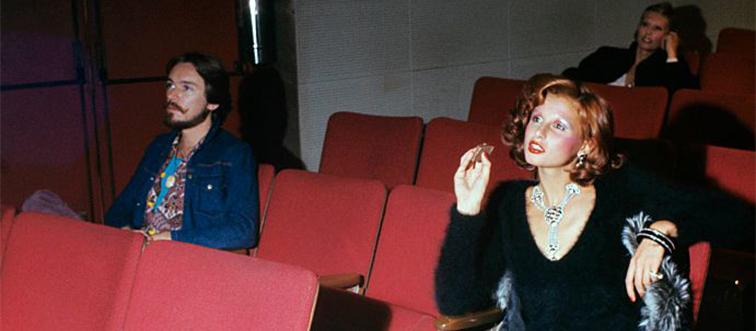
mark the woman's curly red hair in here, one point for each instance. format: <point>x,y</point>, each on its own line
<point>596,122</point>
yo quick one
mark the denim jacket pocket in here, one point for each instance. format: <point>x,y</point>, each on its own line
<point>208,188</point>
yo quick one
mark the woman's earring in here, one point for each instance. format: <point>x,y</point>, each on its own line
<point>581,159</point>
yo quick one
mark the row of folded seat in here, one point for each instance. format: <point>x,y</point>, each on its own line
<point>731,68</point>
<point>401,150</point>
<point>315,224</point>
<point>64,274</point>
<point>737,42</point>
<point>723,118</point>
<point>328,224</point>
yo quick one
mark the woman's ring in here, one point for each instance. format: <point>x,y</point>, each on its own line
<point>656,275</point>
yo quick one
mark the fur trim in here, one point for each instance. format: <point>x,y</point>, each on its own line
<point>665,302</point>
<point>507,300</point>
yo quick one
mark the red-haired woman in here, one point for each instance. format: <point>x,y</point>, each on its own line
<point>587,245</point>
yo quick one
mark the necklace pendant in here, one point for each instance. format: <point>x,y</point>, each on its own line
<point>554,214</point>
<point>170,181</point>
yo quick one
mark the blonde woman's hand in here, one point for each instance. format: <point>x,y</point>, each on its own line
<point>470,181</point>
<point>670,43</point>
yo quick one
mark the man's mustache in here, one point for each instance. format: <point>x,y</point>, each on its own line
<point>171,104</point>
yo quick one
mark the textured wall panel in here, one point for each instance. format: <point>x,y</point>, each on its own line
<point>616,22</point>
<point>447,33</point>
<point>719,15</point>
<point>546,27</point>
<point>527,67</point>
<point>350,39</point>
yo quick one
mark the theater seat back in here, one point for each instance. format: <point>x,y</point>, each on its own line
<point>327,224</point>
<point>729,74</point>
<point>411,237</point>
<point>64,274</point>
<point>7,214</point>
<point>492,100</point>
<point>446,140</point>
<point>700,256</point>
<point>701,117</point>
<point>736,41</point>
<point>265,176</point>
<point>638,111</point>
<point>733,170</point>
<point>185,287</point>
<point>372,147</point>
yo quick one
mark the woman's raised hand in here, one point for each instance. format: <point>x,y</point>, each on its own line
<point>470,181</point>
<point>670,43</point>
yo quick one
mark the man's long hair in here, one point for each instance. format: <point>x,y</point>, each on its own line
<point>216,80</point>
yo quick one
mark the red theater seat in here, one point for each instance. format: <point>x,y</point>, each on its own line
<point>373,147</point>
<point>492,100</point>
<point>63,274</point>
<point>729,74</point>
<point>400,291</point>
<point>411,236</point>
<point>265,175</point>
<point>7,213</point>
<point>702,117</point>
<point>740,42</point>
<point>185,287</point>
<point>700,255</point>
<point>343,310</point>
<point>638,111</point>
<point>327,224</point>
<point>447,139</point>
<point>733,170</point>
<point>693,58</point>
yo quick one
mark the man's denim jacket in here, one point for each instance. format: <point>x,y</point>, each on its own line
<point>220,199</point>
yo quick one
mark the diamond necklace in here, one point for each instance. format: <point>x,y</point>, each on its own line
<point>553,215</point>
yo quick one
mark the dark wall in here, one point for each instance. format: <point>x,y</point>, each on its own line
<point>82,89</point>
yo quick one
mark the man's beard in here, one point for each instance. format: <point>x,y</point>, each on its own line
<point>190,123</point>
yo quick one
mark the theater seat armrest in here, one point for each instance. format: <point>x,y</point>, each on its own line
<point>342,281</point>
<point>466,321</point>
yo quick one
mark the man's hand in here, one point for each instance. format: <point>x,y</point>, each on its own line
<point>165,235</point>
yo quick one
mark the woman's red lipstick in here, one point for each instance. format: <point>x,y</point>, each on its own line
<point>535,148</point>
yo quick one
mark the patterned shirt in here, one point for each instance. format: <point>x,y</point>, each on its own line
<point>165,200</point>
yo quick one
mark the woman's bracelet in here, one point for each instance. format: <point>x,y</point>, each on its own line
<point>656,236</point>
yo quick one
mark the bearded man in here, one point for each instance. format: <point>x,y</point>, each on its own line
<point>196,183</point>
